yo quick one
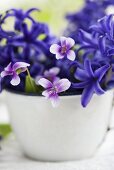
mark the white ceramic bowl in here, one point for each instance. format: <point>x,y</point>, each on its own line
<point>68,132</point>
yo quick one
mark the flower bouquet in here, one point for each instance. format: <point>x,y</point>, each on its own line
<point>78,66</point>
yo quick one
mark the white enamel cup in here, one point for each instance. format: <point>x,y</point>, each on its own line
<point>68,132</point>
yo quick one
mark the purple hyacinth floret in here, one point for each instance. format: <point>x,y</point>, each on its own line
<point>90,81</point>
<point>14,70</point>
<point>53,89</point>
<point>20,16</point>
<point>86,17</point>
<point>64,49</point>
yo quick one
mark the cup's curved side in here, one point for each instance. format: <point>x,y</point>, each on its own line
<point>68,132</point>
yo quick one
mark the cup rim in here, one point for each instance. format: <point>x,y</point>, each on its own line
<point>66,94</point>
<point>40,95</point>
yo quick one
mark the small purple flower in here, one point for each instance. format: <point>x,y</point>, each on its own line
<point>50,74</point>
<point>52,89</point>
<point>64,49</point>
<point>14,71</point>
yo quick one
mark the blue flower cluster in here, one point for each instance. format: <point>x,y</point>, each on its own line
<point>96,73</point>
<point>28,42</point>
<point>88,15</point>
<point>33,60</point>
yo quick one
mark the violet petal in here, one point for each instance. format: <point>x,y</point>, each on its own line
<point>46,93</point>
<point>71,55</point>
<point>70,42</point>
<point>62,85</point>
<point>54,70</point>
<point>54,100</point>
<point>63,41</point>
<point>45,83</point>
<point>5,73</point>
<point>9,67</point>
<point>19,65</point>
<point>15,80</point>
<point>59,56</point>
<point>54,49</point>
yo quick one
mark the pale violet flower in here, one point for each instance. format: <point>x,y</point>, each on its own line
<point>50,74</point>
<point>53,89</point>
<point>14,70</point>
<point>64,49</point>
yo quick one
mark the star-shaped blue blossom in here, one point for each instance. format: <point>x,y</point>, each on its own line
<point>90,81</point>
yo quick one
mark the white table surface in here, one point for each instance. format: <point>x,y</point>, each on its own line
<point>11,158</point>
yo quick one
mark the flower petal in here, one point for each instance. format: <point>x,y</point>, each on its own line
<point>31,10</point>
<point>63,41</point>
<point>52,96</point>
<point>6,73</point>
<point>46,93</point>
<point>98,89</point>
<point>9,67</point>
<point>87,95</point>
<point>87,66</point>
<point>54,70</point>
<point>45,83</point>
<point>70,42</point>
<point>71,55</point>
<point>59,56</point>
<point>111,51</point>
<point>62,85</point>
<point>80,85</point>
<point>100,72</point>
<point>25,30</point>
<point>81,74</point>
<point>54,100</point>
<point>19,65</point>
<point>54,49</point>
<point>102,44</point>
<point>15,80</point>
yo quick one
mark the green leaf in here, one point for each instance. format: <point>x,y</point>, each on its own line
<point>30,86</point>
